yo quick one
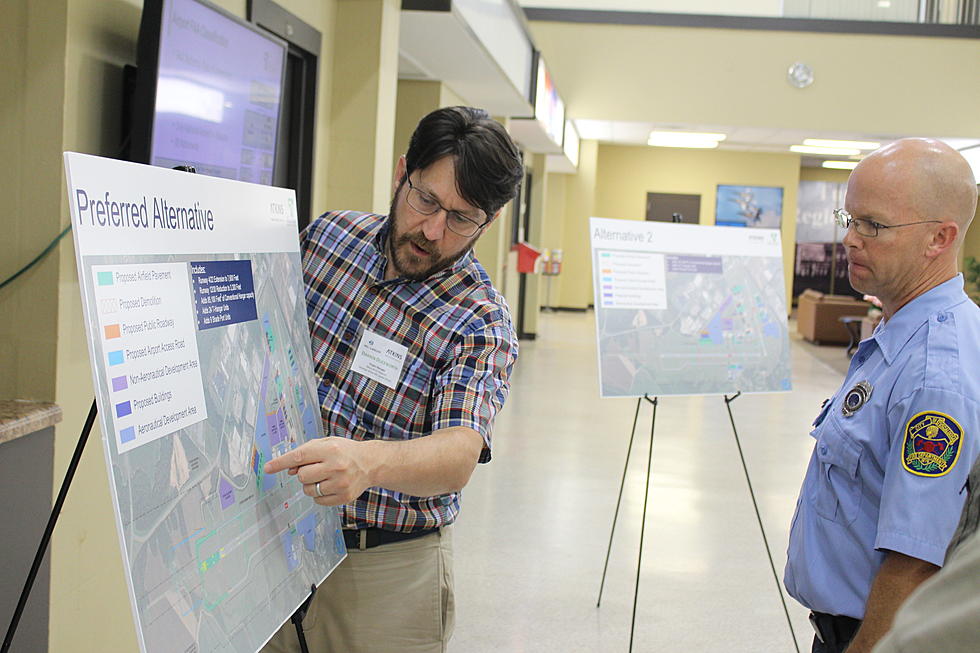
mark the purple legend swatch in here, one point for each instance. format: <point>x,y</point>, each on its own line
<point>226,492</point>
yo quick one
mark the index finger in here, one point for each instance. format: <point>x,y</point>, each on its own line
<point>296,458</point>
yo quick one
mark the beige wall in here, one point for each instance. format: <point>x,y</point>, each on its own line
<point>575,285</point>
<point>971,241</point>
<point>873,84</point>
<point>416,98</point>
<point>32,72</point>
<point>553,232</point>
<point>627,173</point>
<point>364,56</point>
<point>824,174</point>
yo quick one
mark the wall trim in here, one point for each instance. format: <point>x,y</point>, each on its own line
<point>604,17</point>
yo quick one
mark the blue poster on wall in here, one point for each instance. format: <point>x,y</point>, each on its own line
<point>749,206</point>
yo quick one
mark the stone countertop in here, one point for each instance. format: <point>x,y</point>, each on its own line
<point>19,417</point>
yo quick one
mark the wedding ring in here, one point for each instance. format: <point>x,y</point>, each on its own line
<point>316,488</point>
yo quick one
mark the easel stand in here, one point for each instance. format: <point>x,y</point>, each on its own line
<point>298,617</point>
<point>646,495</point>
<point>762,530</point>
<point>42,548</point>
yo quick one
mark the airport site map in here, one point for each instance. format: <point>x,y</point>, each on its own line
<point>676,320</point>
<point>218,552</point>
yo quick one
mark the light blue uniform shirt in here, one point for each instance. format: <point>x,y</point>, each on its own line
<point>890,476</point>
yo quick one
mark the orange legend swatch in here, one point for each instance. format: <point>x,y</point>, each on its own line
<point>111,331</point>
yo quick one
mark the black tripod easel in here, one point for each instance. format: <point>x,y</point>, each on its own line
<point>298,617</point>
<point>49,529</point>
<point>646,495</point>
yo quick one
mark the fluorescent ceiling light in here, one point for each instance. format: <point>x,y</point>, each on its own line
<point>701,140</point>
<point>825,151</point>
<point>840,165</point>
<point>884,4</point>
<point>823,142</point>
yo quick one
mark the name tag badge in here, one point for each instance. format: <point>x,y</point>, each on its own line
<point>380,359</point>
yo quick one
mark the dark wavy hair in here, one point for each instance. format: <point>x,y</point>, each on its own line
<point>488,164</point>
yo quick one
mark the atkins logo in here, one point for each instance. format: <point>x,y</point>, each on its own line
<point>932,444</point>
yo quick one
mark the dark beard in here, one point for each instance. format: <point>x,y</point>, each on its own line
<point>396,258</point>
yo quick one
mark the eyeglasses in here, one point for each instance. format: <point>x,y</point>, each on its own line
<point>869,228</point>
<point>427,205</point>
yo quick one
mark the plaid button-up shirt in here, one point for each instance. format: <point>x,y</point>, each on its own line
<point>461,349</point>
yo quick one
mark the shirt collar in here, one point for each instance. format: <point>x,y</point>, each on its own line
<point>891,336</point>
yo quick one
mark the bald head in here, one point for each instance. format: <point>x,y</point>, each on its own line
<point>925,178</point>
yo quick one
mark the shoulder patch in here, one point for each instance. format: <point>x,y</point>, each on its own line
<point>932,444</point>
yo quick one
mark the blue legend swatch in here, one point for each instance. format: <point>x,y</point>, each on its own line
<point>128,434</point>
<point>116,357</point>
<point>123,409</point>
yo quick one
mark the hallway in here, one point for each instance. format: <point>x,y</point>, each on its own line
<point>533,532</point>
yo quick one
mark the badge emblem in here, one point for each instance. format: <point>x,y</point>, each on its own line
<point>855,398</point>
<point>932,444</point>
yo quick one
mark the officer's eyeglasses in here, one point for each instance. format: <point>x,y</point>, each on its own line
<point>427,205</point>
<point>869,228</point>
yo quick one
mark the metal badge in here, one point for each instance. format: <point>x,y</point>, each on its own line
<point>855,398</point>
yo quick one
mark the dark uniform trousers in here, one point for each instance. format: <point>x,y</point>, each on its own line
<point>833,633</point>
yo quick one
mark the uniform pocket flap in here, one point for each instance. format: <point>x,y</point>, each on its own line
<point>835,448</point>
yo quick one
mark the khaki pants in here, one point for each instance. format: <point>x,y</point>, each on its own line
<point>395,597</point>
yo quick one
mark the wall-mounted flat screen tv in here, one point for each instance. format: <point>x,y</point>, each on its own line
<point>208,92</point>
<point>749,206</point>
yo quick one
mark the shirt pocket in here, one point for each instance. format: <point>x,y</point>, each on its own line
<point>381,412</point>
<point>838,490</point>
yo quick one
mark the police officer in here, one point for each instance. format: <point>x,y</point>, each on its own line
<point>882,494</point>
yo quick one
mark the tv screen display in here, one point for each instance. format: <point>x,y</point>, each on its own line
<point>211,89</point>
<point>548,105</point>
<point>749,206</point>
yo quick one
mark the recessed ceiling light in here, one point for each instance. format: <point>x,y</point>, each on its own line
<point>840,165</point>
<point>825,142</point>
<point>884,4</point>
<point>825,151</point>
<point>701,140</point>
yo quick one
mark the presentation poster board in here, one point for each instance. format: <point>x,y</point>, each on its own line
<point>197,329</point>
<point>688,309</point>
<point>749,206</point>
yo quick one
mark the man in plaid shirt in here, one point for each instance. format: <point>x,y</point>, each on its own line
<point>413,348</point>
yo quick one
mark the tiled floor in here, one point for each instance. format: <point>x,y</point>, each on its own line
<point>535,523</point>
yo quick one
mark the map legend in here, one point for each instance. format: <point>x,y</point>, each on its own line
<point>154,370</point>
<point>632,280</point>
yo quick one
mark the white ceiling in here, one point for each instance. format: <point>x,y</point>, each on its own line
<point>460,61</point>
<point>756,139</point>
